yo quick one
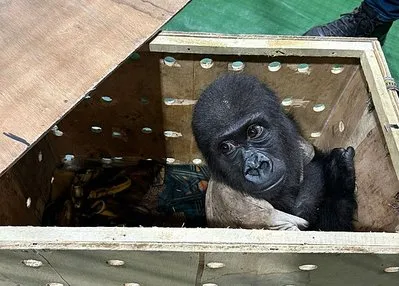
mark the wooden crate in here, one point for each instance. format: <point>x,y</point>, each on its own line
<point>149,92</point>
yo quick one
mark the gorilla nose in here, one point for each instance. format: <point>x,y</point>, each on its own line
<point>257,162</point>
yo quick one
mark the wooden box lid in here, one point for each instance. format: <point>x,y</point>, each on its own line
<point>54,52</point>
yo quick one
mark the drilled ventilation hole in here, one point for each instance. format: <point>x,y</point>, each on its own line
<point>287,101</point>
<point>115,262</point>
<point>341,126</point>
<point>28,202</point>
<point>169,101</point>
<point>206,63</point>
<point>40,156</point>
<point>197,161</point>
<point>106,99</point>
<point>96,129</point>
<point>144,100</point>
<point>170,160</point>
<point>315,134</point>
<point>237,66</point>
<point>391,269</point>
<point>172,134</point>
<point>116,134</point>
<point>32,263</point>
<point>54,284</point>
<point>274,66</point>
<point>215,265</point>
<point>69,157</point>
<point>56,131</point>
<point>303,68</point>
<point>131,284</point>
<point>337,68</point>
<point>134,56</point>
<point>169,61</point>
<point>106,160</point>
<point>308,267</point>
<point>319,107</point>
<point>146,130</point>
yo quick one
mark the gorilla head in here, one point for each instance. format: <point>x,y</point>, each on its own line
<point>245,138</point>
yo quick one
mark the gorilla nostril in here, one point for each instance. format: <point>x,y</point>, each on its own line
<point>266,165</point>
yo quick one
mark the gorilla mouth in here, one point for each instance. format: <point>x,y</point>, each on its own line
<point>252,172</point>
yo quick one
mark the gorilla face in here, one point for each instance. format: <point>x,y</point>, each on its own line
<point>253,157</point>
<point>247,141</point>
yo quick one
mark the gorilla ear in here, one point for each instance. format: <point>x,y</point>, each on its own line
<point>307,150</point>
<point>307,154</point>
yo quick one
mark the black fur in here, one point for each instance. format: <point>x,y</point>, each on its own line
<point>268,164</point>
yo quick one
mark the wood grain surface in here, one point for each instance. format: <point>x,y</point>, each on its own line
<point>53,52</point>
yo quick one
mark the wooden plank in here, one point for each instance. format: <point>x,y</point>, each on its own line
<point>177,83</point>
<point>90,268</point>
<point>386,107</point>
<point>206,43</point>
<point>54,52</point>
<point>377,191</point>
<point>283,269</point>
<point>196,240</point>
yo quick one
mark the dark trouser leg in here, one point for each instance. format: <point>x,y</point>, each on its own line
<point>386,10</point>
<point>364,21</point>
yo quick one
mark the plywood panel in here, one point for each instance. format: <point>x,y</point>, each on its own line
<point>283,269</point>
<point>122,105</point>
<point>54,52</point>
<point>29,179</point>
<point>178,85</point>
<point>186,79</point>
<point>377,185</point>
<point>90,268</point>
<point>353,103</point>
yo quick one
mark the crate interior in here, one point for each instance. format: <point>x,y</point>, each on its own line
<point>121,123</point>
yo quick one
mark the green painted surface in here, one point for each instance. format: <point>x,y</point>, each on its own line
<point>274,17</point>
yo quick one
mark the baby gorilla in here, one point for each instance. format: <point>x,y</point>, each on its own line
<point>252,146</point>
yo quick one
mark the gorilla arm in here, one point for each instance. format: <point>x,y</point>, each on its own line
<point>226,207</point>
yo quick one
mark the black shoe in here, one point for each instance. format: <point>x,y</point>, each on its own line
<point>362,22</point>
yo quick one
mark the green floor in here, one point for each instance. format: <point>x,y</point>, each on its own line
<point>276,17</point>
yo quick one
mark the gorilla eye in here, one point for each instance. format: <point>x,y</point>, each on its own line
<point>226,147</point>
<point>254,131</point>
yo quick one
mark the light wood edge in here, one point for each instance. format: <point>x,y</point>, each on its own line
<point>196,240</point>
<point>386,73</point>
<point>205,43</point>
<point>385,101</point>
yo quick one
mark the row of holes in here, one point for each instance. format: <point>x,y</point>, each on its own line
<point>207,63</point>
<point>212,265</point>
<point>70,157</point>
<point>175,134</point>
